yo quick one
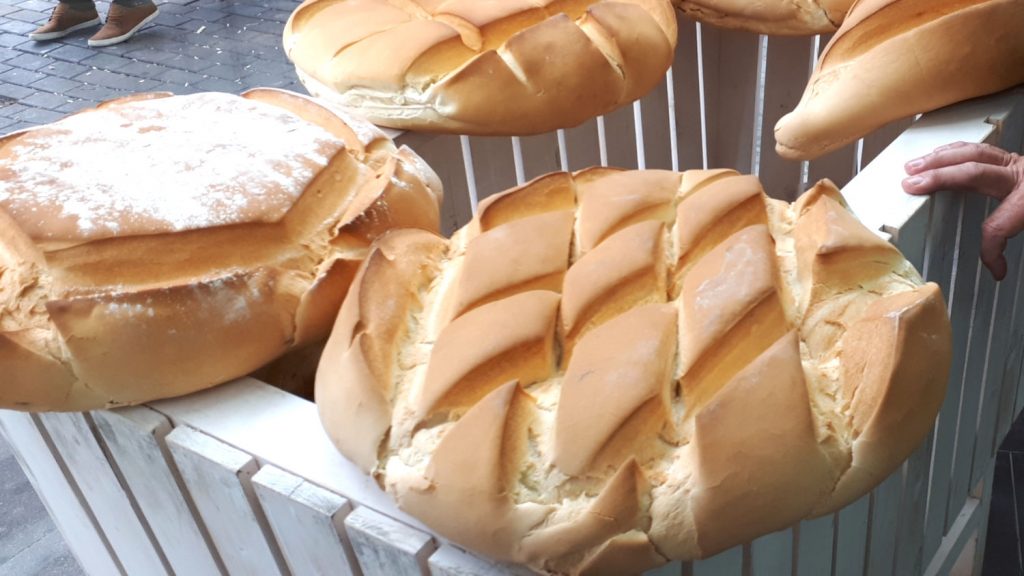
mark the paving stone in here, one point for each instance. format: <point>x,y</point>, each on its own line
<point>29,61</point>
<point>70,53</point>
<point>38,116</point>
<point>190,63</point>
<point>6,9</point>
<point>43,6</point>
<point>58,69</point>
<point>14,92</point>
<point>94,92</point>
<point>141,69</point>
<point>20,77</point>
<point>208,14</point>
<point>76,105</point>
<point>55,84</point>
<point>16,26</point>
<point>10,40</point>
<point>45,100</point>
<point>219,85</point>
<point>107,61</point>
<point>12,111</point>
<point>24,520</point>
<point>49,556</point>
<point>28,16</point>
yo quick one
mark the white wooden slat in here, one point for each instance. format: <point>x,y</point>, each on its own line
<point>977,351</point>
<point>885,508</point>
<point>386,547</point>
<point>971,521</point>
<point>451,561</point>
<point>582,149</point>
<point>620,138</point>
<point>728,563</point>
<point>657,138</point>
<point>109,500</point>
<point>282,430</point>
<point>910,523</point>
<point>787,78</point>
<point>308,523</point>
<point>135,437</point>
<point>772,554</point>
<point>540,155</point>
<point>687,93</point>
<point>851,538</point>
<point>218,478</point>
<point>814,547</point>
<point>730,70</point>
<point>1012,369</point>
<point>878,140</point>
<point>59,494</point>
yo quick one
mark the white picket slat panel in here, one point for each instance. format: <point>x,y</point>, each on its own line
<point>851,538</point>
<point>675,568</point>
<point>218,478</point>
<point>56,488</point>
<point>728,563</point>
<point>772,554</point>
<point>656,128</point>
<point>688,104</point>
<point>730,78</point>
<point>308,523</point>
<point>109,500</point>
<point>581,146</point>
<point>443,153</point>
<point>386,547</point>
<point>540,155</point>
<point>814,546</point>
<point>134,437</point>
<point>451,561</point>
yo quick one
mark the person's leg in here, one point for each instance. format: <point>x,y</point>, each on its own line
<point>124,19</point>
<point>67,16</point>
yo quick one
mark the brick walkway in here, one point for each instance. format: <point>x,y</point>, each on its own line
<point>192,46</point>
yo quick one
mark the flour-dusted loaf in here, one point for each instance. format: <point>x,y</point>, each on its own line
<point>481,67</point>
<point>607,370</point>
<point>782,17</point>
<point>895,58</point>
<point>157,244</point>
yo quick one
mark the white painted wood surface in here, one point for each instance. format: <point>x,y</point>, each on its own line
<point>851,538</point>
<point>56,487</point>
<point>101,488</point>
<point>219,479</point>
<point>728,563</point>
<point>135,439</point>
<point>451,561</point>
<point>814,546</point>
<point>386,547</point>
<point>772,554</point>
<point>308,523</point>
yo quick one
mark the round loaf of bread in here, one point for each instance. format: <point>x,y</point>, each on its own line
<point>157,244</point>
<point>780,17</point>
<point>473,67</point>
<point>893,59</point>
<point>607,370</point>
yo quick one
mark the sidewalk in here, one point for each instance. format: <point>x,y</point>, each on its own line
<point>192,46</point>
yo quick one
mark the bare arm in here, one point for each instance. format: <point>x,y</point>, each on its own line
<point>982,169</point>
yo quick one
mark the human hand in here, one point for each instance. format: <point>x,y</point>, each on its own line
<point>982,169</point>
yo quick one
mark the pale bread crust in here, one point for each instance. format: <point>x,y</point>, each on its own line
<point>91,322</point>
<point>484,68</point>
<point>689,418</point>
<point>778,17</point>
<point>895,58</point>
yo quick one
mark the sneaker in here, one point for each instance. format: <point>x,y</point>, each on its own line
<point>63,21</point>
<point>123,23</point>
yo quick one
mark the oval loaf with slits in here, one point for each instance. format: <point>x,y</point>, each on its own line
<point>481,66</point>
<point>782,17</point>
<point>157,245</point>
<point>608,370</point>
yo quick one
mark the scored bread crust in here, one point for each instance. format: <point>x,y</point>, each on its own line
<point>703,366</point>
<point>485,68</point>
<point>895,58</point>
<point>223,234</point>
<point>778,17</point>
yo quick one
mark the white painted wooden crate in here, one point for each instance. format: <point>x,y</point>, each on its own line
<point>242,480</point>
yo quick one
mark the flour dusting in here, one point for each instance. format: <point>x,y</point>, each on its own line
<point>162,165</point>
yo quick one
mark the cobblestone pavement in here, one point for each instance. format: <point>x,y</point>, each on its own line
<point>192,46</point>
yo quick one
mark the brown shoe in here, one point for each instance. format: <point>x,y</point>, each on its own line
<point>63,21</point>
<point>122,23</point>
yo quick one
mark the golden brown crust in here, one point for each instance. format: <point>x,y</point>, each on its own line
<point>481,67</point>
<point>895,58</point>
<point>109,289</point>
<point>782,376</point>
<point>779,17</point>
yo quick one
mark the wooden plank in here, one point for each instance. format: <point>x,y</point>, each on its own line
<point>444,154</point>
<point>451,561</point>
<point>814,547</point>
<point>910,526</point>
<point>785,85</point>
<point>282,430</point>
<point>974,368</point>
<point>772,554</point>
<point>59,493</point>
<point>135,437</point>
<point>386,547</point>
<point>308,523</point>
<point>885,508</point>
<point>878,140</point>
<point>218,478</point>
<point>852,538</point>
<point>967,521</point>
<point>728,563</point>
<point>109,499</point>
